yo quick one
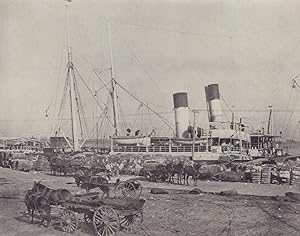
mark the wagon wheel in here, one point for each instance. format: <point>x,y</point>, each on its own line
<point>125,189</point>
<point>139,189</point>
<point>68,221</point>
<point>88,217</point>
<point>137,186</point>
<point>106,221</point>
<point>118,191</point>
<point>129,190</point>
<point>79,173</point>
<point>132,223</point>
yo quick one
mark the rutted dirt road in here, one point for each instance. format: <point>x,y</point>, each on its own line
<point>176,213</point>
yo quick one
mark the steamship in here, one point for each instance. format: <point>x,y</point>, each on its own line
<point>220,140</point>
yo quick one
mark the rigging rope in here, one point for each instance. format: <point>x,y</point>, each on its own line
<point>92,129</point>
<point>228,107</point>
<point>63,100</point>
<point>288,105</point>
<point>76,92</point>
<point>290,117</point>
<point>168,123</point>
<point>102,122</point>
<point>121,124</point>
<point>104,119</point>
<point>102,81</point>
<point>94,68</point>
<point>104,86</point>
<point>139,107</point>
<point>93,95</point>
<point>151,124</point>
<point>81,113</point>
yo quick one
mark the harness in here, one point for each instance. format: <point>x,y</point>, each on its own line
<point>47,191</point>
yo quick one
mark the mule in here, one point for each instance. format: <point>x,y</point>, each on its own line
<point>79,179</point>
<point>177,169</point>
<point>91,182</point>
<point>55,196</point>
<point>40,203</point>
<point>191,171</point>
<point>169,171</point>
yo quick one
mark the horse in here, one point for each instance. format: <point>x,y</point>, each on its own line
<point>55,196</point>
<point>79,179</point>
<point>58,165</point>
<point>55,168</point>
<point>193,171</point>
<point>175,169</point>
<point>160,172</point>
<point>169,171</point>
<point>34,201</point>
<point>91,182</point>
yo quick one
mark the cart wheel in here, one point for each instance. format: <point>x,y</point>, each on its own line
<point>68,221</point>
<point>88,217</point>
<point>132,223</point>
<point>129,190</point>
<point>118,191</point>
<point>106,221</point>
<point>79,173</point>
<point>125,189</point>
<point>138,188</point>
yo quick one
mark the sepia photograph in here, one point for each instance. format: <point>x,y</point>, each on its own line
<point>149,117</point>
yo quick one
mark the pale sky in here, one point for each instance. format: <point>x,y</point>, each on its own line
<point>251,48</point>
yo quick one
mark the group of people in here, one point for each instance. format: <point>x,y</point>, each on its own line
<point>7,162</point>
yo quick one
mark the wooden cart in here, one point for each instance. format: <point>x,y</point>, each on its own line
<point>106,216</point>
<point>130,188</point>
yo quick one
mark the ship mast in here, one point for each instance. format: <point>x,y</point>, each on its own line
<point>71,81</point>
<point>113,84</point>
<point>269,121</point>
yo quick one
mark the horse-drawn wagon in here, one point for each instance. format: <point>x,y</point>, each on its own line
<point>106,216</point>
<point>130,188</point>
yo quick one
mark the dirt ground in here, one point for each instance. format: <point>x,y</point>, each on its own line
<point>265,212</point>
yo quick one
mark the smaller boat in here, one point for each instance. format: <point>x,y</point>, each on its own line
<point>188,141</point>
<point>132,140</point>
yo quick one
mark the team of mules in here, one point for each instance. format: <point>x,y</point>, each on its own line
<point>63,166</point>
<point>35,202</point>
<point>40,198</point>
<point>183,170</point>
<point>59,166</point>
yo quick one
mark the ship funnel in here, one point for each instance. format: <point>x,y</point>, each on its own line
<point>215,113</point>
<point>181,110</point>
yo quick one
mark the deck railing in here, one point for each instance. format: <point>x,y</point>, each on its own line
<point>158,149</point>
